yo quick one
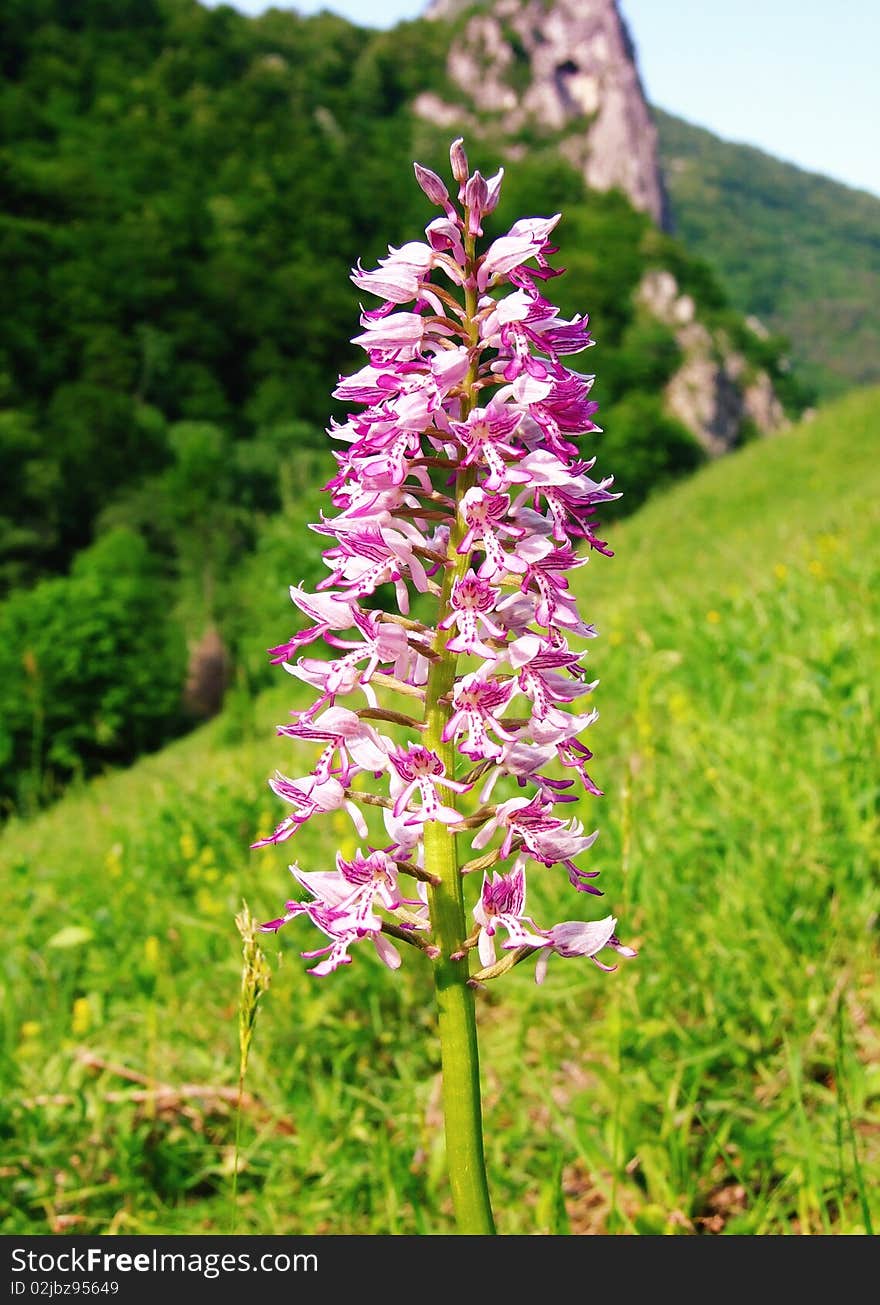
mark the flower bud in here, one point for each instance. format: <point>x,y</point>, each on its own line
<point>431,185</point>
<point>476,192</point>
<point>458,160</point>
<point>493,190</point>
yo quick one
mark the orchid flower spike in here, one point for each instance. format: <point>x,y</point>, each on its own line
<point>445,708</point>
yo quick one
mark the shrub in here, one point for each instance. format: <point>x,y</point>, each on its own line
<point>91,669</point>
<point>651,447</point>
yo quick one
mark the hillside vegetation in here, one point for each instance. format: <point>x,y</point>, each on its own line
<point>726,1080</point>
<point>186,191</point>
<point>798,250</point>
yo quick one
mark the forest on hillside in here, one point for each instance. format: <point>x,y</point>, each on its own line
<point>799,251</point>
<point>185,192</point>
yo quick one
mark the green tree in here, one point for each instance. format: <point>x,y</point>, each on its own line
<point>91,669</point>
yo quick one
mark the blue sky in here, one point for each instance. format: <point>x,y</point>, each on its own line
<point>798,78</point>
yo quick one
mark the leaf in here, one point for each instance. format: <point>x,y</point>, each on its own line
<point>72,935</point>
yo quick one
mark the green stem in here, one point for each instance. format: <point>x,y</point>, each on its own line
<point>456,1015</point>
<point>237,1152</point>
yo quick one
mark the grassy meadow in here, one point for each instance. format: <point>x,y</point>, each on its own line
<point>726,1081</point>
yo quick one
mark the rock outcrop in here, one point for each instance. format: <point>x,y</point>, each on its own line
<point>564,68</point>
<point>716,393</point>
<point>563,72</point>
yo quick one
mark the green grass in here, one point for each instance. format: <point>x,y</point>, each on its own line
<point>726,1080</point>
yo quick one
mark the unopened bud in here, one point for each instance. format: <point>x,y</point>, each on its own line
<point>493,191</point>
<point>475,193</point>
<point>458,160</point>
<point>431,185</point>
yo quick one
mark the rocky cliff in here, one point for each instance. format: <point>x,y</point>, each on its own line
<point>563,68</point>
<point>563,73</point>
<point>715,393</point>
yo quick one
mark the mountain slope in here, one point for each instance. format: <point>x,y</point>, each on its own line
<point>699,1088</point>
<point>797,250</point>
